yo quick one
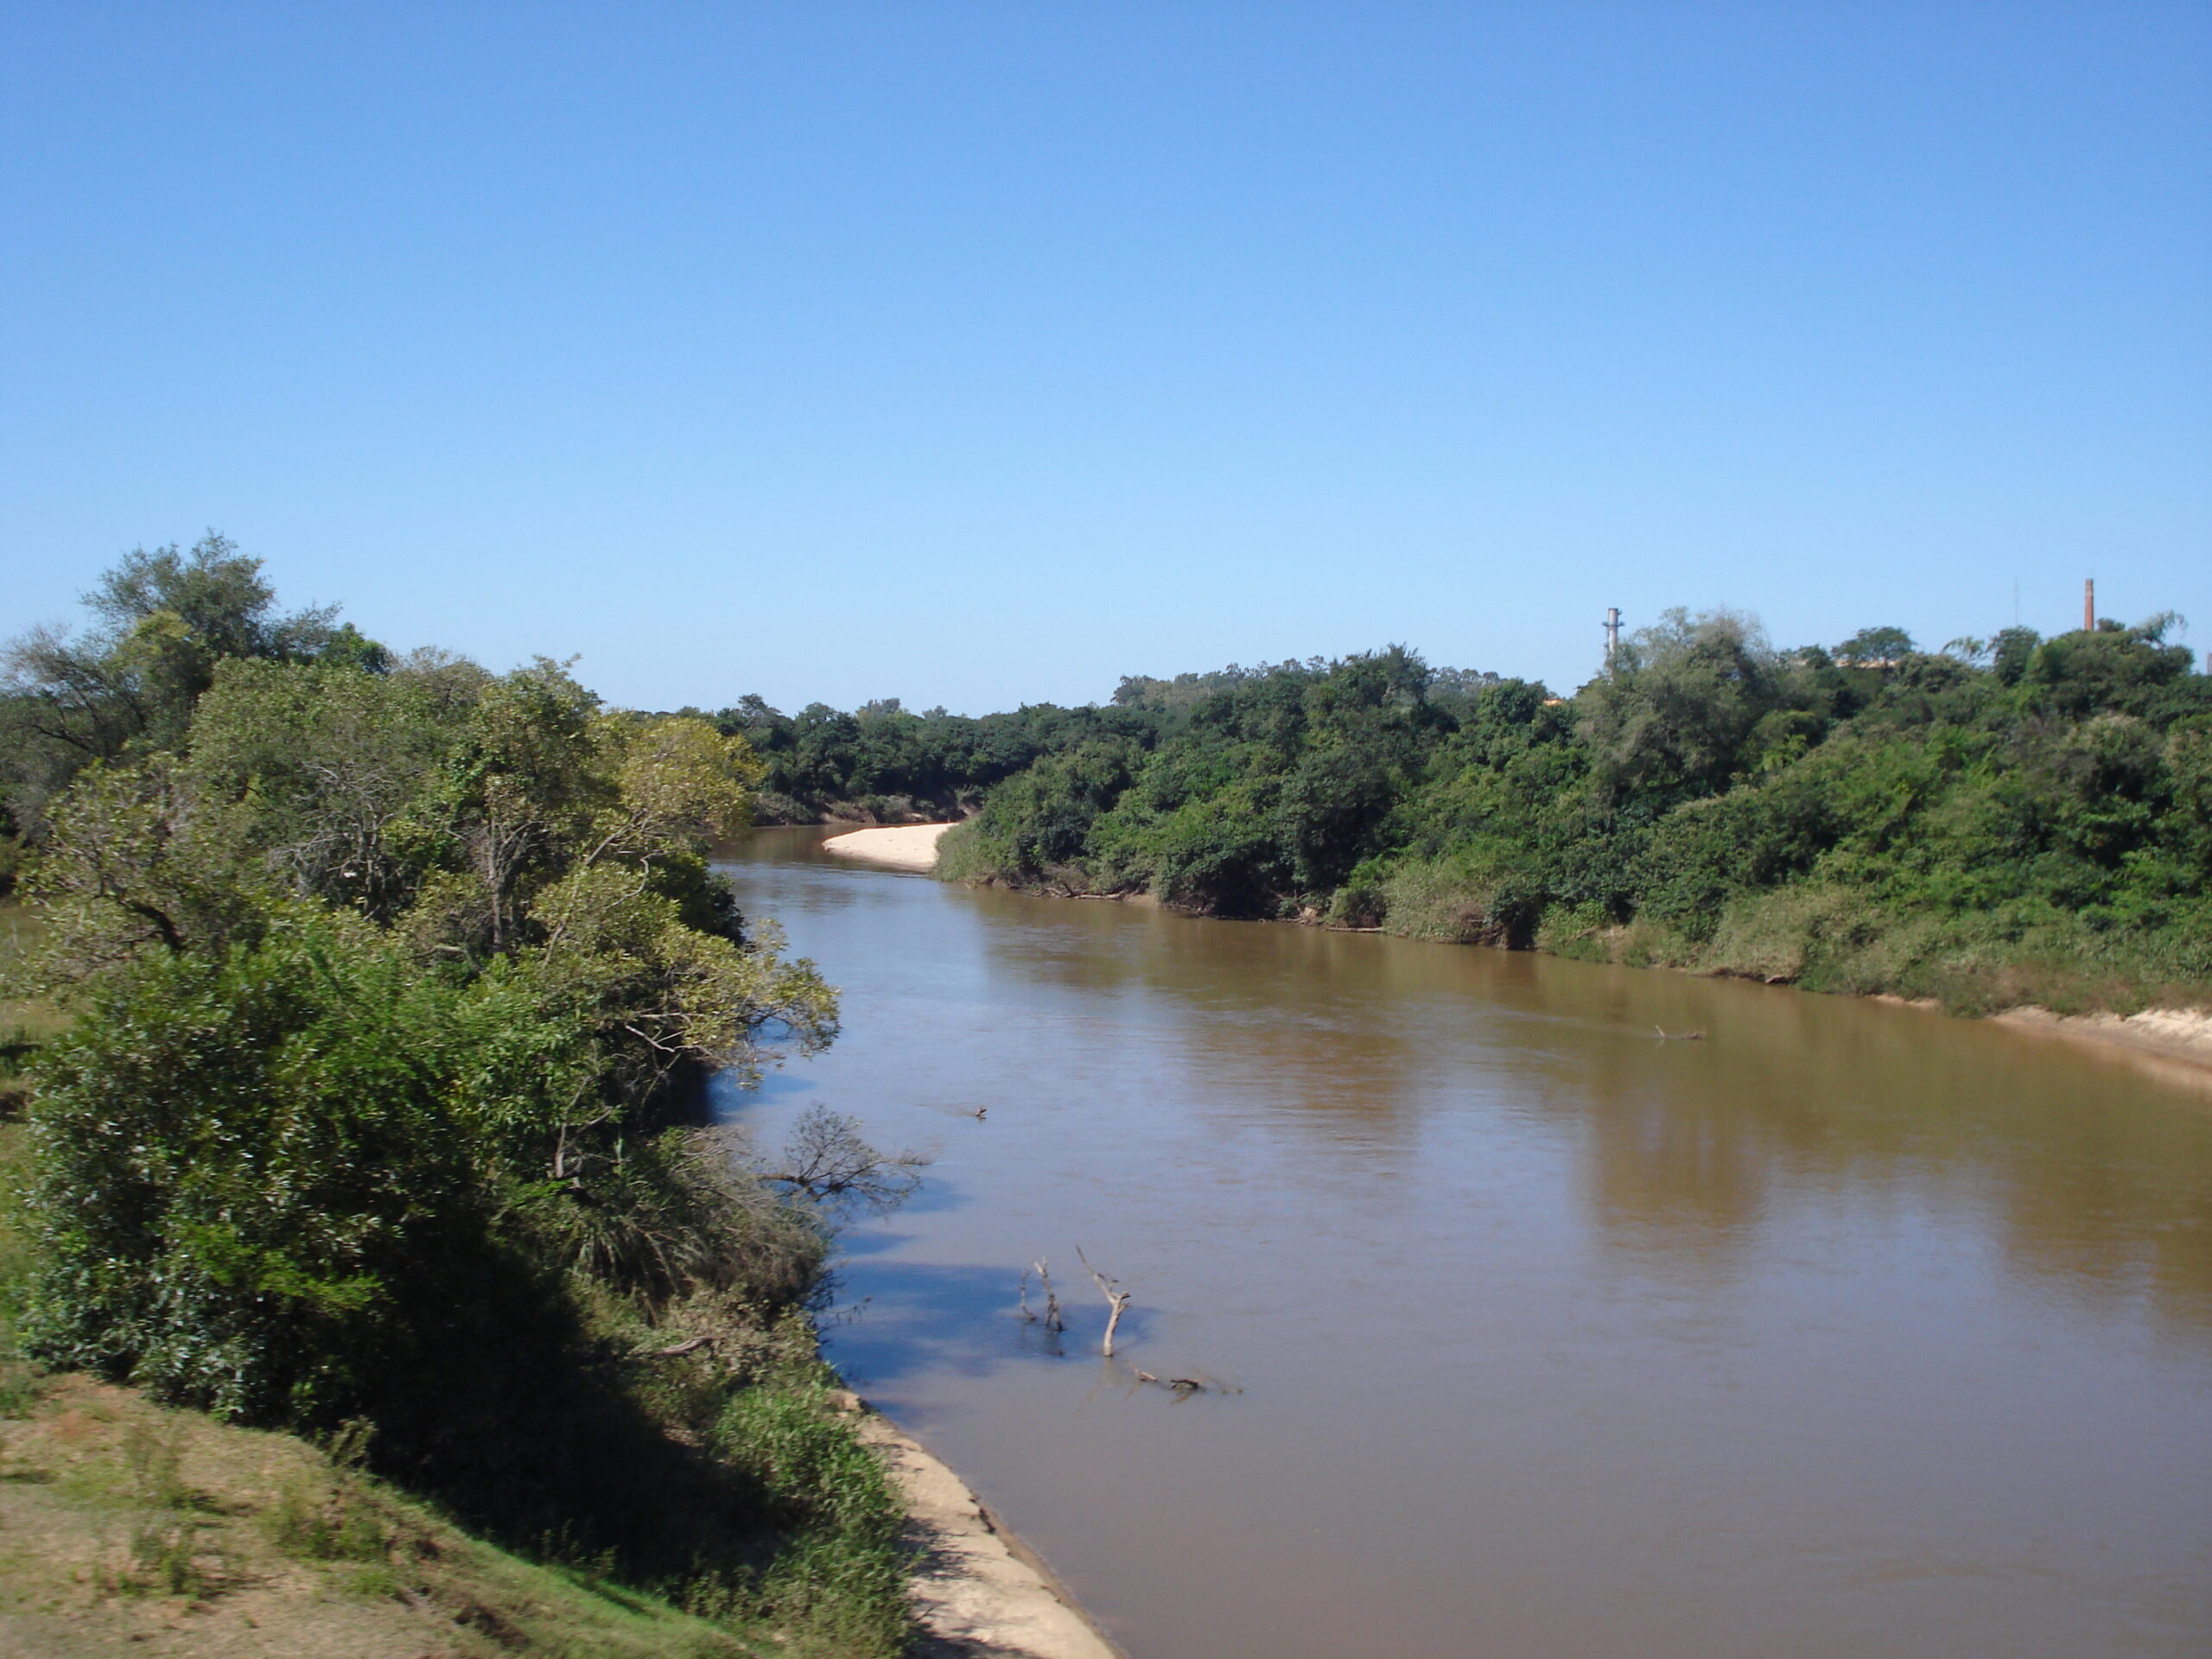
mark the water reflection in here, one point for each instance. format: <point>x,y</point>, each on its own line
<point>1845,1330</point>
<point>923,1316</point>
<point>1683,1142</point>
<point>1680,1143</point>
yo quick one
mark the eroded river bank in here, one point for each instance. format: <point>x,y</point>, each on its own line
<point>1843,1331</point>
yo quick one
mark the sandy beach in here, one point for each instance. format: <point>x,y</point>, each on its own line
<point>979,1592</point>
<point>896,846</point>
<point>2174,1043</point>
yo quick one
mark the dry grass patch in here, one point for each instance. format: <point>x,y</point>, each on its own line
<point>128,1529</point>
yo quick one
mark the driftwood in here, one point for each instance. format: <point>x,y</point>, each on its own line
<point>1116,1299</point>
<point>1666,1036</point>
<point>1184,1387</point>
<point>1051,1318</point>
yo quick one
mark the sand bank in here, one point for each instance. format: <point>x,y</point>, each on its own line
<point>2176,1043</point>
<point>900,846</point>
<point>979,1591</point>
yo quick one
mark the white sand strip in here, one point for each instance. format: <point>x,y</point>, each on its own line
<point>979,1592</point>
<point>898,846</point>
<point>2175,1043</point>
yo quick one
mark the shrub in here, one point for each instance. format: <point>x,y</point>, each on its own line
<point>250,1185</point>
<point>843,1569</point>
<point>1455,903</point>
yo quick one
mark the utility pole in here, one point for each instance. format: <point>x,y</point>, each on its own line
<point>2089,606</point>
<point>1612,636</point>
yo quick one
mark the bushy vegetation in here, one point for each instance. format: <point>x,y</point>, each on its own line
<point>388,987</point>
<point>2019,819</point>
<point>884,763</point>
<point>162,622</point>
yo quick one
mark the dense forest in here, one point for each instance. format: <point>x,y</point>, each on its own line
<point>362,1046</point>
<point>884,764</point>
<point>2019,819</point>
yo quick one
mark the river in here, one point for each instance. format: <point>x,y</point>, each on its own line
<point>1847,1331</point>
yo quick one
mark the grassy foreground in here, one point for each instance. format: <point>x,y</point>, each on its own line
<point>126,1527</point>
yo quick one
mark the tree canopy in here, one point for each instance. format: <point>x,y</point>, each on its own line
<point>394,983</point>
<point>2015,819</point>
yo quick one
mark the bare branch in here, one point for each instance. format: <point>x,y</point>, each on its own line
<point>1116,1299</point>
<point>828,1161</point>
<point>1053,1320</point>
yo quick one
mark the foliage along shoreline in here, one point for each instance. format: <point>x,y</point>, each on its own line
<point>2016,822</point>
<point>381,991</point>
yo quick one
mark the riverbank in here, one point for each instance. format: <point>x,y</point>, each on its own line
<point>898,846</point>
<point>2175,1043</point>
<point>218,1562</point>
<point>979,1591</point>
<point>182,1536</point>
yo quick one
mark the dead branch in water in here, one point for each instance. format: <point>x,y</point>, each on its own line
<point>829,1164</point>
<point>1052,1320</point>
<point>1184,1387</point>
<point>1116,1299</point>
<point>1666,1036</point>
<point>1174,1384</point>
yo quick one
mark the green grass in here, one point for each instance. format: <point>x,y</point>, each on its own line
<point>116,1516</point>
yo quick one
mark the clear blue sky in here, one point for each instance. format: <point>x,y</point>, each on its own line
<point>978,353</point>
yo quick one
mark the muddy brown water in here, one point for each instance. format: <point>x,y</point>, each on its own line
<point>1849,1330</point>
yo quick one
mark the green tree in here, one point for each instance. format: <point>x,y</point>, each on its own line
<point>1672,719</point>
<point>162,621</point>
<point>1875,647</point>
